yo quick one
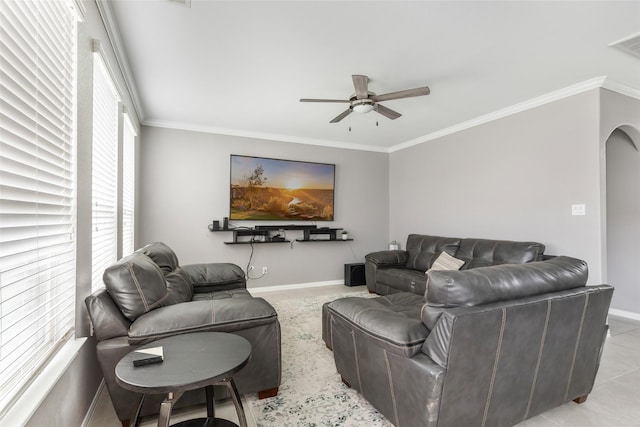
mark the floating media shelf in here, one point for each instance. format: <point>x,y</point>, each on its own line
<point>269,234</point>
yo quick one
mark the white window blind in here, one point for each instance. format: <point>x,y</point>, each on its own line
<point>128,185</point>
<point>37,187</point>
<point>104,171</point>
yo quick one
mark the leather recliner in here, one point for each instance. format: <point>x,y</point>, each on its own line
<point>487,346</point>
<point>148,296</point>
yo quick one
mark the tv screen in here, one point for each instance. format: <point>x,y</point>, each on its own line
<point>275,189</point>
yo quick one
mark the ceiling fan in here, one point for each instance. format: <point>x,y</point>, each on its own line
<point>364,101</point>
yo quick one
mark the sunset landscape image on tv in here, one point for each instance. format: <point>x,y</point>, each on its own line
<point>274,189</point>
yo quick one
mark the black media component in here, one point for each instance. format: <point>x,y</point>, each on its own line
<point>225,223</point>
<point>354,274</point>
<point>216,225</point>
<point>285,227</point>
<point>323,233</point>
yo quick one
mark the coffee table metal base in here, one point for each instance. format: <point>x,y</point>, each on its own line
<point>211,421</point>
<point>206,422</point>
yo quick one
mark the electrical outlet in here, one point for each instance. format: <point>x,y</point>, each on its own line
<point>264,270</point>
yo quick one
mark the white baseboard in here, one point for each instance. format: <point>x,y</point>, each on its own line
<point>625,314</point>
<point>296,286</point>
<point>94,403</point>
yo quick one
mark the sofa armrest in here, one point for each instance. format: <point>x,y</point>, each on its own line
<point>214,276</point>
<point>380,260</point>
<point>107,319</point>
<point>397,258</point>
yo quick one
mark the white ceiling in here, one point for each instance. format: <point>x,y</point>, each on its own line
<point>240,67</point>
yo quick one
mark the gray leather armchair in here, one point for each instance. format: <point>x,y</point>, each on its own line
<point>488,346</point>
<point>148,296</point>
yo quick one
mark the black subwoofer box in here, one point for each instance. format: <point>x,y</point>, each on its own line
<point>354,274</point>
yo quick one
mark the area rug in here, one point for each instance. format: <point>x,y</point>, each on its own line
<point>311,393</point>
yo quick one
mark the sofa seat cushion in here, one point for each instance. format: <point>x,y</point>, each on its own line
<point>403,279</point>
<point>484,252</point>
<point>485,285</point>
<point>215,314</point>
<point>393,320</point>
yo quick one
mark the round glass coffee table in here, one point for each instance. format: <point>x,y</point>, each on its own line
<point>191,361</point>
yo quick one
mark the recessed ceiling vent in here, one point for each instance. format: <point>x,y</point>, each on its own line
<point>630,45</point>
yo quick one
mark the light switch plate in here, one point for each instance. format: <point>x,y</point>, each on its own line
<point>579,209</point>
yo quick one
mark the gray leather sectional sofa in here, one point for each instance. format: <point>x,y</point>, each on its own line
<point>148,296</point>
<point>404,270</point>
<point>485,346</point>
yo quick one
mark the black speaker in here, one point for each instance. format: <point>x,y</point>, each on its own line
<point>216,225</point>
<point>354,274</point>
<point>225,223</point>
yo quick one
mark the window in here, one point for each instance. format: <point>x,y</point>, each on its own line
<point>37,187</point>
<point>104,171</point>
<point>128,185</point>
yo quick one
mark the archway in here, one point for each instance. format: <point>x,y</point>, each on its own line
<point>623,219</point>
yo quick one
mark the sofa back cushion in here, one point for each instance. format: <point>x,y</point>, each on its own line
<point>423,250</point>
<point>484,285</point>
<point>179,287</point>
<point>483,252</point>
<point>136,284</point>
<point>162,255</point>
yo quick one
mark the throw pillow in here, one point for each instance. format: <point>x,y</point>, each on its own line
<point>446,262</point>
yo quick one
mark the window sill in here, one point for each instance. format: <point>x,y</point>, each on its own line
<point>27,403</point>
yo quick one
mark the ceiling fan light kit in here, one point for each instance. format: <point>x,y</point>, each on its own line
<point>364,101</point>
<point>362,106</point>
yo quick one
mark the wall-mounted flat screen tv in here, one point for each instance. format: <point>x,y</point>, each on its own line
<point>276,189</point>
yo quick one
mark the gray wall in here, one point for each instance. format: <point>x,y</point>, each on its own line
<point>620,138</point>
<point>623,221</point>
<point>184,186</point>
<point>513,178</point>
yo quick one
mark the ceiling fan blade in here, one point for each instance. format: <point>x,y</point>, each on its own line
<point>361,83</point>
<point>387,112</point>
<point>420,91</point>
<point>323,100</point>
<point>342,115</point>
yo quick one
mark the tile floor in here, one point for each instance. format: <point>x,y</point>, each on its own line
<point>614,401</point>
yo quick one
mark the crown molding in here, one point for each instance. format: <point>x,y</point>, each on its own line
<point>106,14</point>
<point>505,112</point>
<point>263,135</point>
<point>594,83</point>
<point>621,88</point>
